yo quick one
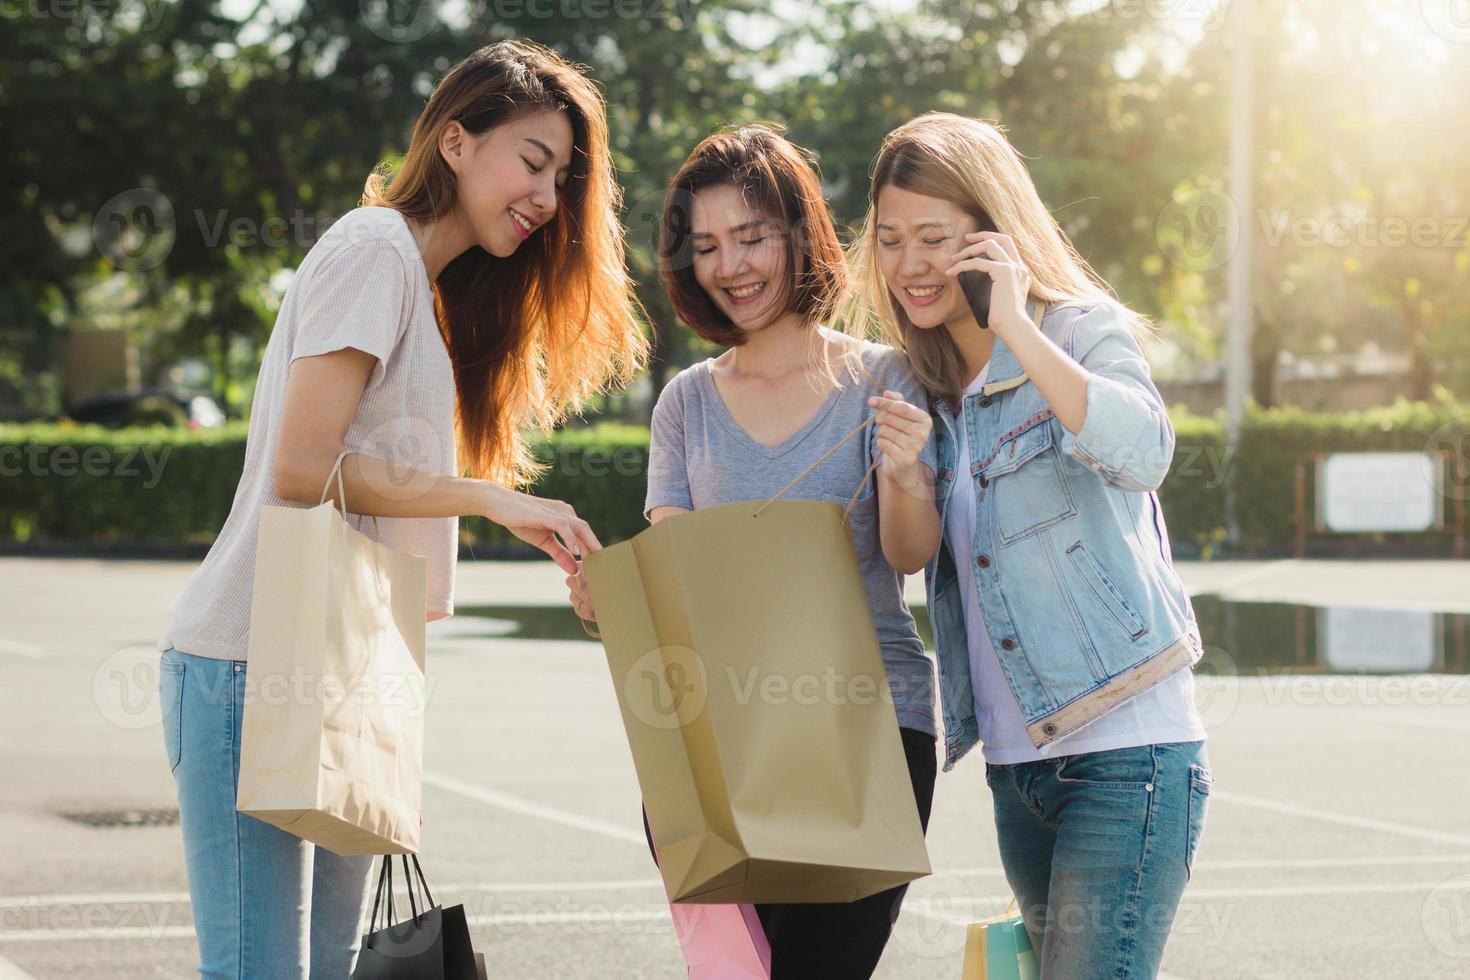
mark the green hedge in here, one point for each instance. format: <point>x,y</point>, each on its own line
<point>158,488</point>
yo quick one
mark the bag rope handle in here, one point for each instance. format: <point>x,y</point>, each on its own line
<point>336,471</point>
<point>846,511</point>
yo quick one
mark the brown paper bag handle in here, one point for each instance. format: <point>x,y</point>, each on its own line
<point>336,471</point>
<point>847,511</point>
<point>822,459</point>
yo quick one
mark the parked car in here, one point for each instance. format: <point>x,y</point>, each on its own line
<point>151,406</point>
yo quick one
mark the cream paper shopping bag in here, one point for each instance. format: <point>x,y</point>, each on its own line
<point>332,738</point>
<point>754,697</point>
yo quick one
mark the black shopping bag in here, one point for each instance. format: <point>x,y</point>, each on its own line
<point>432,944</point>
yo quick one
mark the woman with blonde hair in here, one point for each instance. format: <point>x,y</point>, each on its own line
<point>479,293</point>
<point>1065,638</point>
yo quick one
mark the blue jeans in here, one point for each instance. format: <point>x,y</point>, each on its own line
<point>266,903</point>
<point>1097,848</point>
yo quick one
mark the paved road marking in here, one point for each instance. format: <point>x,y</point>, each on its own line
<point>538,810</point>
<point>1383,860</point>
<point>28,650</point>
<point>1435,724</point>
<point>1235,581</point>
<point>9,971</point>
<point>634,884</point>
<point>1344,819</point>
<point>919,906</point>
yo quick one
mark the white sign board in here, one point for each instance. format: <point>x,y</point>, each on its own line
<point>1378,492</point>
<point>1393,640</point>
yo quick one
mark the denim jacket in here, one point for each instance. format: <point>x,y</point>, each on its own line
<point>1071,554</point>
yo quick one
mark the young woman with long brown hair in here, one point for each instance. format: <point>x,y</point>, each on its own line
<point>479,293</point>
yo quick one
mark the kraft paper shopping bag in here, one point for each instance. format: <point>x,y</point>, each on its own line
<point>756,705</point>
<point>332,738</point>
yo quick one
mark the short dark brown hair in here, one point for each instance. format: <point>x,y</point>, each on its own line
<point>779,178</point>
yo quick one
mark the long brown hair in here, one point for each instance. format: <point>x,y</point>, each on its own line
<point>772,174</point>
<point>531,336</point>
<point>969,163</point>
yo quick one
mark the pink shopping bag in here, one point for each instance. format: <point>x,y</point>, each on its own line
<point>722,942</point>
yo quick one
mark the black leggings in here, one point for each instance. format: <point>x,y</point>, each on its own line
<point>843,940</point>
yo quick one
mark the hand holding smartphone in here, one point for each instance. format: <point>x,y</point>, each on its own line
<point>976,286</point>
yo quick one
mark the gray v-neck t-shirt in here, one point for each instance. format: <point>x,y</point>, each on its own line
<point>699,457</point>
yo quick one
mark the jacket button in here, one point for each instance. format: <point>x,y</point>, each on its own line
<point>984,481</point>
<point>984,401</point>
<point>1049,728</point>
<point>1008,644</point>
<point>983,561</point>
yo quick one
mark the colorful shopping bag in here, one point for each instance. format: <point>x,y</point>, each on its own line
<point>999,948</point>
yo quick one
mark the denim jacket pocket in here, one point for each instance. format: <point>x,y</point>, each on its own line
<point>1106,592</point>
<point>1031,491</point>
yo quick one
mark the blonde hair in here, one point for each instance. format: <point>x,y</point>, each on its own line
<point>970,164</point>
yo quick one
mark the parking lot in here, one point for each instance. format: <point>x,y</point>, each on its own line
<point>1337,842</point>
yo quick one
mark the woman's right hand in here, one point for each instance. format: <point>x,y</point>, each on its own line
<point>551,525</point>
<point>579,596</point>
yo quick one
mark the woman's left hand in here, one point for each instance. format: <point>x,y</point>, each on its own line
<point>901,430</point>
<point>997,254</point>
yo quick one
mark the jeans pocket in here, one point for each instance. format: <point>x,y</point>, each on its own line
<point>1201,780</point>
<point>1132,768</point>
<point>171,705</point>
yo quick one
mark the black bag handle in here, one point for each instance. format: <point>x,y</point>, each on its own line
<point>408,878</point>
<point>424,883</point>
<point>385,887</point>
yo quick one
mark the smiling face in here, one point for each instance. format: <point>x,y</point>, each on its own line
<point>740,257</point>
<point>917,239</point>
<point>510,176</point>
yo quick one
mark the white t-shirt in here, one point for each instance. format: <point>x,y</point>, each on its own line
<point>1165,713</point>
<point>362,285</point>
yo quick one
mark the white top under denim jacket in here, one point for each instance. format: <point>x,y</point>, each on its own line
<point>1071,562</point>
<point>1165,713</point>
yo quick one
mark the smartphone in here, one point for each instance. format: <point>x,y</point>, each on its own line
<point>976,286</point>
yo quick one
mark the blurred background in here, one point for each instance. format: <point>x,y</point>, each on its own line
<point>1281,184</point>
<point>169,162</point>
